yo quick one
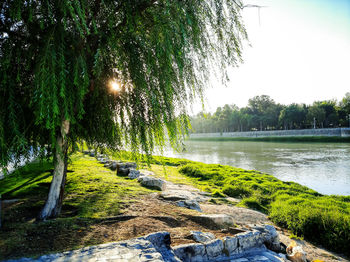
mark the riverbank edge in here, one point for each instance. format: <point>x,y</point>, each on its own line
<point>292,198</point>
<point>292,139</point>
<point>290,205</point>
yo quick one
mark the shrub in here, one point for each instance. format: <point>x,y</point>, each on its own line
<point>253,203</point>
<point>217,193</point>
<point>236,191</point>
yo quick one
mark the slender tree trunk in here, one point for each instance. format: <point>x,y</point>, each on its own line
<point>54,200</point>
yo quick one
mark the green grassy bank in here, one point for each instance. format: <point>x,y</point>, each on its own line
<point>314,139</point>
<point>318,218</point>
<point>94,193</point>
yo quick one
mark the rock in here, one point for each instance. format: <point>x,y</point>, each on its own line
<point>86,152</point>
<point>214,248</point>
<point>191,252</point>
<point>295,253</point>
<point>248,240</point>
<point>270,237</point>
<point>159,239</point>
<point>220,220</point>
<point>122,171</point>
<point>190,204</point>
<point>231,245</point>
<point>127,165</point>
<point>103,160</point>
<point>113,166</point>
<point>154,247</point>
<point>202,237</point>
<point>272,240</point>
<point>92,154</point>
<point>152,182</point>
<point>133,173</point>
<point>174,196</point>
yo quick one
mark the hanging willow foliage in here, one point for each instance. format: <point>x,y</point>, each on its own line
<point>57,57</point>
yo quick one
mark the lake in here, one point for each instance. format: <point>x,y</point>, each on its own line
<point>324,167</point>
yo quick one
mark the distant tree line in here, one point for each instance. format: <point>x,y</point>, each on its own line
<point>263,113</point>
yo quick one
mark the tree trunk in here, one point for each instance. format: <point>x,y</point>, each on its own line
<point>54,200</point>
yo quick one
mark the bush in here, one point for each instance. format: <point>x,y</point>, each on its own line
<point>315,219</point>
<point>217,193</point>
<point>253,203</point>
<point>236,191</point>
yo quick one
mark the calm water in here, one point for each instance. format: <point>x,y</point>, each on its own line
<point>324,167</point>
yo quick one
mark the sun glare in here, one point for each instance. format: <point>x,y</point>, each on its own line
<point>114,85</point>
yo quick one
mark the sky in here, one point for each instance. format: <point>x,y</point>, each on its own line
<point>299,52</point>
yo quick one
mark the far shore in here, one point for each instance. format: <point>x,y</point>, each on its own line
<point>297,135</point>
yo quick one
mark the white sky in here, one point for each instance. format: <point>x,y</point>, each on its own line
<point>299,53</point>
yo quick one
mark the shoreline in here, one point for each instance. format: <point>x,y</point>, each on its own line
<point>295,135</point>
<point>286,139</point>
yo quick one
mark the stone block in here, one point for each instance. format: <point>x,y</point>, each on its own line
<point>127,165</point>
<point>133,173</point>
<point>214,248</point>
<point>152,182</point>
<point>190,204</point>
<point>122,171</point>
<point>248,240</point>
<point>159,239</point>
<point>230,245</point>
<point>113,166</point>
<point>271,238</point>
<point>202,237</point>
<point>191,252</point>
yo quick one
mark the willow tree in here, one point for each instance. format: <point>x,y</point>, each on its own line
<point>58,58</point>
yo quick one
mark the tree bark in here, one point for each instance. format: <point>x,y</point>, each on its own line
<point>53,205</point>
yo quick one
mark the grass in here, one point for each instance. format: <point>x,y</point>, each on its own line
<point>314,139</point>
<point>321,219</point>
<point>92,193</point>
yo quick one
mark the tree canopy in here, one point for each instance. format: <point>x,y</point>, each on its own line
<point>58,58</point>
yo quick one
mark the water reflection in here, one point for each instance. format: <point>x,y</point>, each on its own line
<point>324,167</point>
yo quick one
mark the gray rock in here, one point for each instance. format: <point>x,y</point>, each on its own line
<point>154,247</point>
<point>92,154</point>
<point>127,165</point>
<point>133,173</point>
<point>240,260</point>
<point>152,182</point>
<point>214,248</point>
<point>122,171</point>
<point>103,160</point>
<point>190,204</point>
<point>86,152</point>
<point>231,245</point>
<point>248,240</point>
<point>191,252</point>
<point>273,257</point>
<point>159,239</point>
<point>174,196</point>
<point>271,238</point>
<point>202,237</point>
<point>113,166</point>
